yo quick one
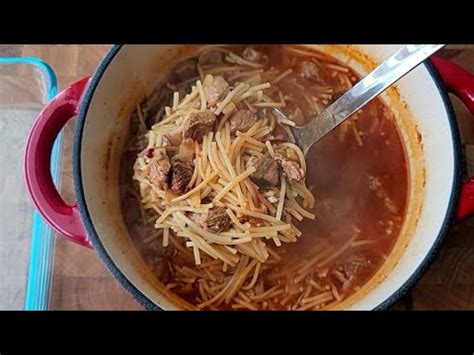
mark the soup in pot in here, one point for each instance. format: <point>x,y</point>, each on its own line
<point>229,214</point>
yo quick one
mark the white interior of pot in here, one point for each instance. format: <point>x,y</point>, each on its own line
<point>135,70</point>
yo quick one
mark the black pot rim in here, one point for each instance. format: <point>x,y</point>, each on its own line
<point>145,301</point>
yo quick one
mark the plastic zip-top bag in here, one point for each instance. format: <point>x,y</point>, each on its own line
<point>26,242</point>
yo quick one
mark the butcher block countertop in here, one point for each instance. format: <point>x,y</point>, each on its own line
<point>81,282</point>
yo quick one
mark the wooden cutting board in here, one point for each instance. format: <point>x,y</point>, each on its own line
<point>81,281</point>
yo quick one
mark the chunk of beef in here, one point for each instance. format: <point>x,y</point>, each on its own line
<point>158,166</point>
<point>354,266</point>
<point>181,174</point>
<point>252,55</point>
<point>353,270</point>
<point>253,221</point>
<point>266,173</point>
<point>138,143</point>
<point>186,289</point>
<point>289,164</point>
<point>210,57</point>
<point>186,70</point>
<point>215,220</point>
<point>218,220</point>
<point>242,121</point>
<point>309,70</point>
<point>292,170</point>
<point>197,125</point>
<point>214,89</point>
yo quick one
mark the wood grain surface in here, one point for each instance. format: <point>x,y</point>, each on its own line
<point>81,281</point>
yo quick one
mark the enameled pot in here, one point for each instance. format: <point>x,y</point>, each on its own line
<point>103,103</point>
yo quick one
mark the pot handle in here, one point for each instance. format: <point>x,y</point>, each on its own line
<point>62,217</point>
<point>460,83</point>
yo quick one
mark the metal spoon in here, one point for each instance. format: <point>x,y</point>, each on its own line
<point>392,69</point>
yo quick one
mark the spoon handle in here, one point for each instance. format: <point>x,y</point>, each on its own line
<point>391,70</point>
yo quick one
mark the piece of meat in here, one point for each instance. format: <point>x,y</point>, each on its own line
<point>210,57</point>
<point>266,173</point>
<point>181,174</point>
<point>309,70</point>
<point>218,220</point>
<point>158,167</point>
<point>354,266</point>
<point>186,70</point>
<point>138,143</point>
<point>291,168</point>
<point>198,124</point>
<point>353,270</point>
<point>214,89</point>
<point>242,121</point>
<point>252,55</point>
<point>253,221</point>
<point>215,220</point>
